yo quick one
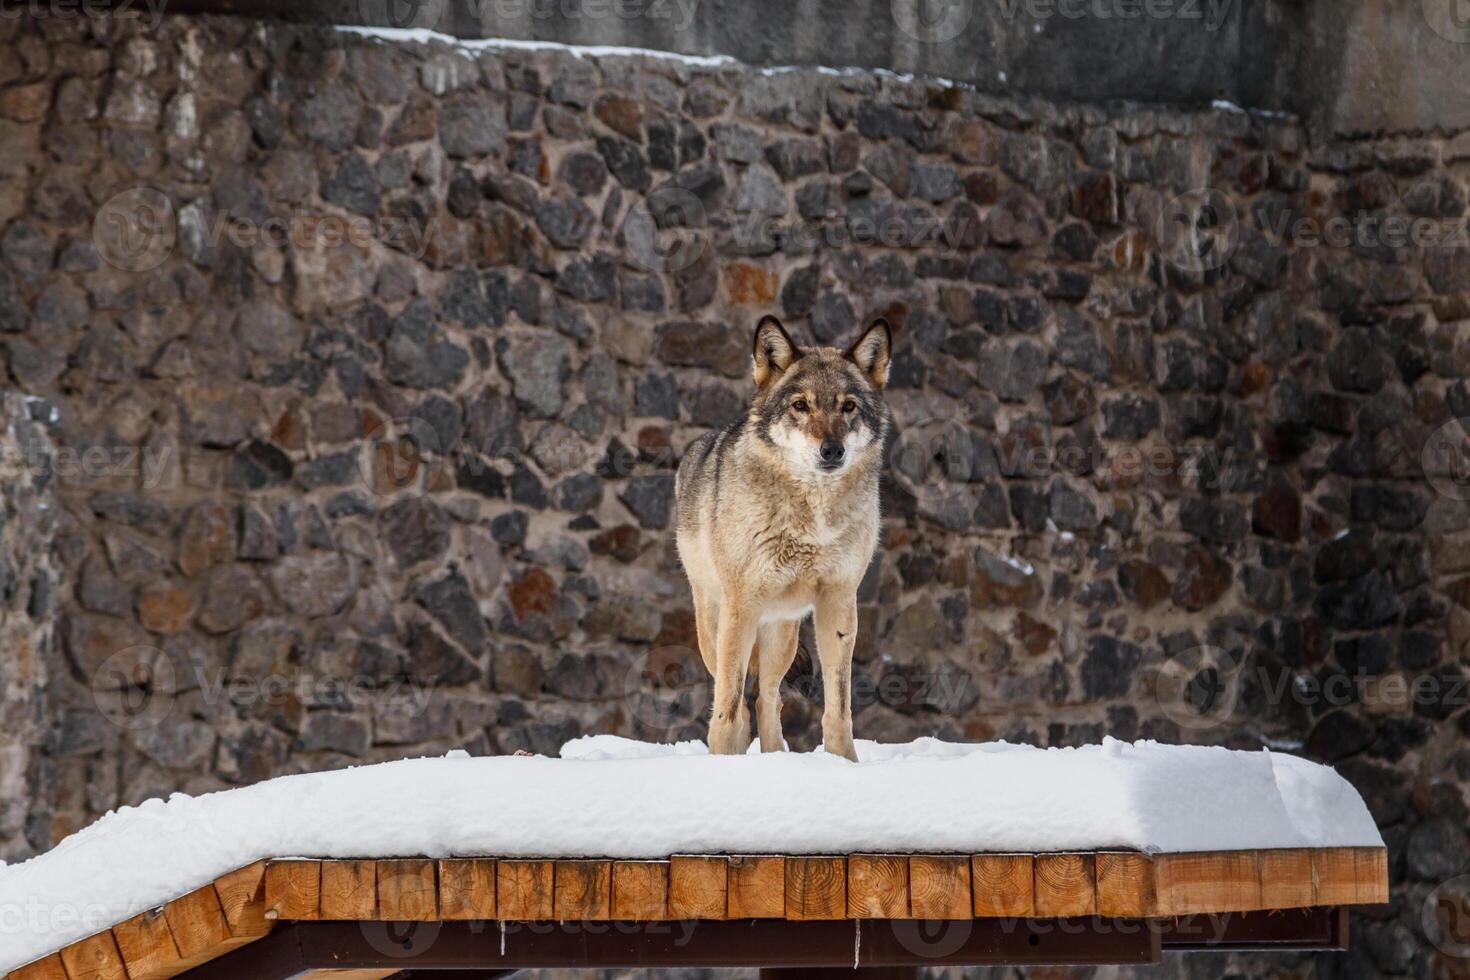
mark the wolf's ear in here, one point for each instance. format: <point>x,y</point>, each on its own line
<point>871,352</point>
<point>774,350</point>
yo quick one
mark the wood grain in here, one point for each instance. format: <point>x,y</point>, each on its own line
<point>349,890</point>
<point>1065,885</point>
<point>242,898</point>
<point>583,891</point>
<point>293,889</point>
<point>816,888</point>
<point>1002,885</point>
<point>466,889</point>
<point>94,958</point>
<point>1286,879</point>
<point>757,887</point>
<point>198,924</point>
<point>408,890</point>
<point>49,968</point>
<point>1125,884</point>
<point>877,886</point>
<point>1215,881</point>
<point>147,947</point>
<point>640,890</point>
<point>697,887</point>
<point>524,890</point>
<point>1350,875</point>
<point>939,886</point>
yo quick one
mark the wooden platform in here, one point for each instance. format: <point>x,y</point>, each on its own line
<point>245,905</point>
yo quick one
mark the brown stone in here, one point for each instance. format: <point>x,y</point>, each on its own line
<point>164,609</point>
<point>1095,197</point>
<point>25,103</point>
<point>999,582</point>
<point>621,114</point>
<point>1205,578</point>
<point>623,542</point>
<point>533,592</point>
<point>1035,636</point>
<point>208,538</point>
<point>750,285</point>
<point>981,188</point>
<point>1256,376</point>
<point>1144,583</point>
<point>1278,512</point>
<point>1459,592</point>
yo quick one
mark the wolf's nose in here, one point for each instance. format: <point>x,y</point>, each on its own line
<point>831,451</point>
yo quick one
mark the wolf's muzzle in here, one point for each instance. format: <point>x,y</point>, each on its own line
<point>832,453</point>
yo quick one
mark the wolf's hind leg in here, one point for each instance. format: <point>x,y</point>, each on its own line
<point>775,650</point>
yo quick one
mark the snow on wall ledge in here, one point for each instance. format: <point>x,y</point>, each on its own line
<point>615,798</point>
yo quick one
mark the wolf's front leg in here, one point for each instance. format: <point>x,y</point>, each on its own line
<point>835,623</point>
<point>735,635</point>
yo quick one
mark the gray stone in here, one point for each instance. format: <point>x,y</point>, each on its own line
<point>537,365</point>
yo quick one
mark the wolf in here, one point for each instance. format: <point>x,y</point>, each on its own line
<point>777,518</point>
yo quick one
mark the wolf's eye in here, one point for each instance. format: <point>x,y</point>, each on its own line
<point>848,407</point>
<point>800,405</point>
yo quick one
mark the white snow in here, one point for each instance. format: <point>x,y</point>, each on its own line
<point>423,35</point>
<point>612,797</point>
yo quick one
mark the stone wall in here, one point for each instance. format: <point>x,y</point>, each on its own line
<point>372,363</point>
<point>27,605</point>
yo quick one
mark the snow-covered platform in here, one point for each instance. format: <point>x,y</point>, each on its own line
<point>631,832</point>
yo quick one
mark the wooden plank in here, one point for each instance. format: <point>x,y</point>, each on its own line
<point>697,887</point>
<point>242,897</point>
<point>408,890</point>
<point>1350,875</point>
<point>816,888</point>
<point>49,968</point>
<point>94,958</point>
<point>939,886</point>
<point>583,891</point>
<point>293,889</point>
<point>466,889</point>
<point>524,890</point>
<point>349,890</point>
<point>199,928</point>
<point>757,886</point>
<point>147,947</point>
<point>877,886</point>
<point>1211,881</point>
<point>1286,879</point>
<point>1002,885</point>
<point>1065,885</point>
<point>1125,884</point>
<point>640,890</point>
